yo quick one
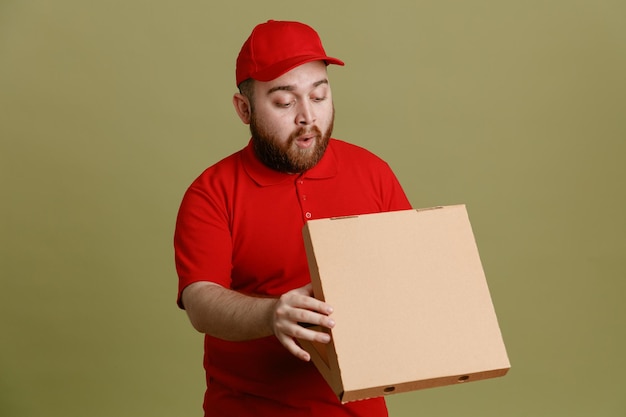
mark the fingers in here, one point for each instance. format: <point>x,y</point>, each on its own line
<point>298,306</point>
<point>289,342</point>
<point>293,348</point>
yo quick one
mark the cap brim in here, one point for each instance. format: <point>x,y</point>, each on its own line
<point>280,68</point>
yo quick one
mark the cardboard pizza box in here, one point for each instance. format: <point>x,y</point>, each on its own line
<point>411,302</point>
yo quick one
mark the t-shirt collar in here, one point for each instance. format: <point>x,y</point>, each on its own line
<point>265,176</point>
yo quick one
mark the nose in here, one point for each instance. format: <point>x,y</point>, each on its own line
<point>306,114</point>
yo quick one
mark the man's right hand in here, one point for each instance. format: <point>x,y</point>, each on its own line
<point>295,307</point>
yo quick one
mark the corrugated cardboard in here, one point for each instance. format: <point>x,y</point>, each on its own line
<point>410,300</point>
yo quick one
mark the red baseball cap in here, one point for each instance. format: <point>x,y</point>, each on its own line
<point>276,47</point>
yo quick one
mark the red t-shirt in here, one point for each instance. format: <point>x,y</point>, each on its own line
<point>240,225</point>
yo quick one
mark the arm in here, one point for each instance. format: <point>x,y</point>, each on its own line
<point>230,315</point>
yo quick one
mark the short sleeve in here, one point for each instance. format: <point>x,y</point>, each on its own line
<point>202,239</point>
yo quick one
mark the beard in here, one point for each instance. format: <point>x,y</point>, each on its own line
<point>288,157</point>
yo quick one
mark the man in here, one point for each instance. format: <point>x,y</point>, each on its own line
<point>243,274</point>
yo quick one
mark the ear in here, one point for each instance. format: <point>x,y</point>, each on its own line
<point>242,107</point>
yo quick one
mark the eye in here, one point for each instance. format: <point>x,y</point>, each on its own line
<point>318,99</point>
<point>283,105</point>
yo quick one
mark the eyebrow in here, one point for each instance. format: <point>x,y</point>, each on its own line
<point>293,87</point>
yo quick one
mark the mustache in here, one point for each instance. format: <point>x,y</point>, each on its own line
<point>305,131</point>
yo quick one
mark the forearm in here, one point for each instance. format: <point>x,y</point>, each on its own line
<point>227,314</point>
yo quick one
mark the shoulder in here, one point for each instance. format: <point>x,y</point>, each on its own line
<point>343,146</point>
<point>214,184</point>
<point>349,153</point>
<point>223,170</point>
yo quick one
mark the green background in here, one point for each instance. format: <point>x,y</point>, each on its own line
<point>109,109</point>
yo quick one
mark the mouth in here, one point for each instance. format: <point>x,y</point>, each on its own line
<point>305,141</point>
